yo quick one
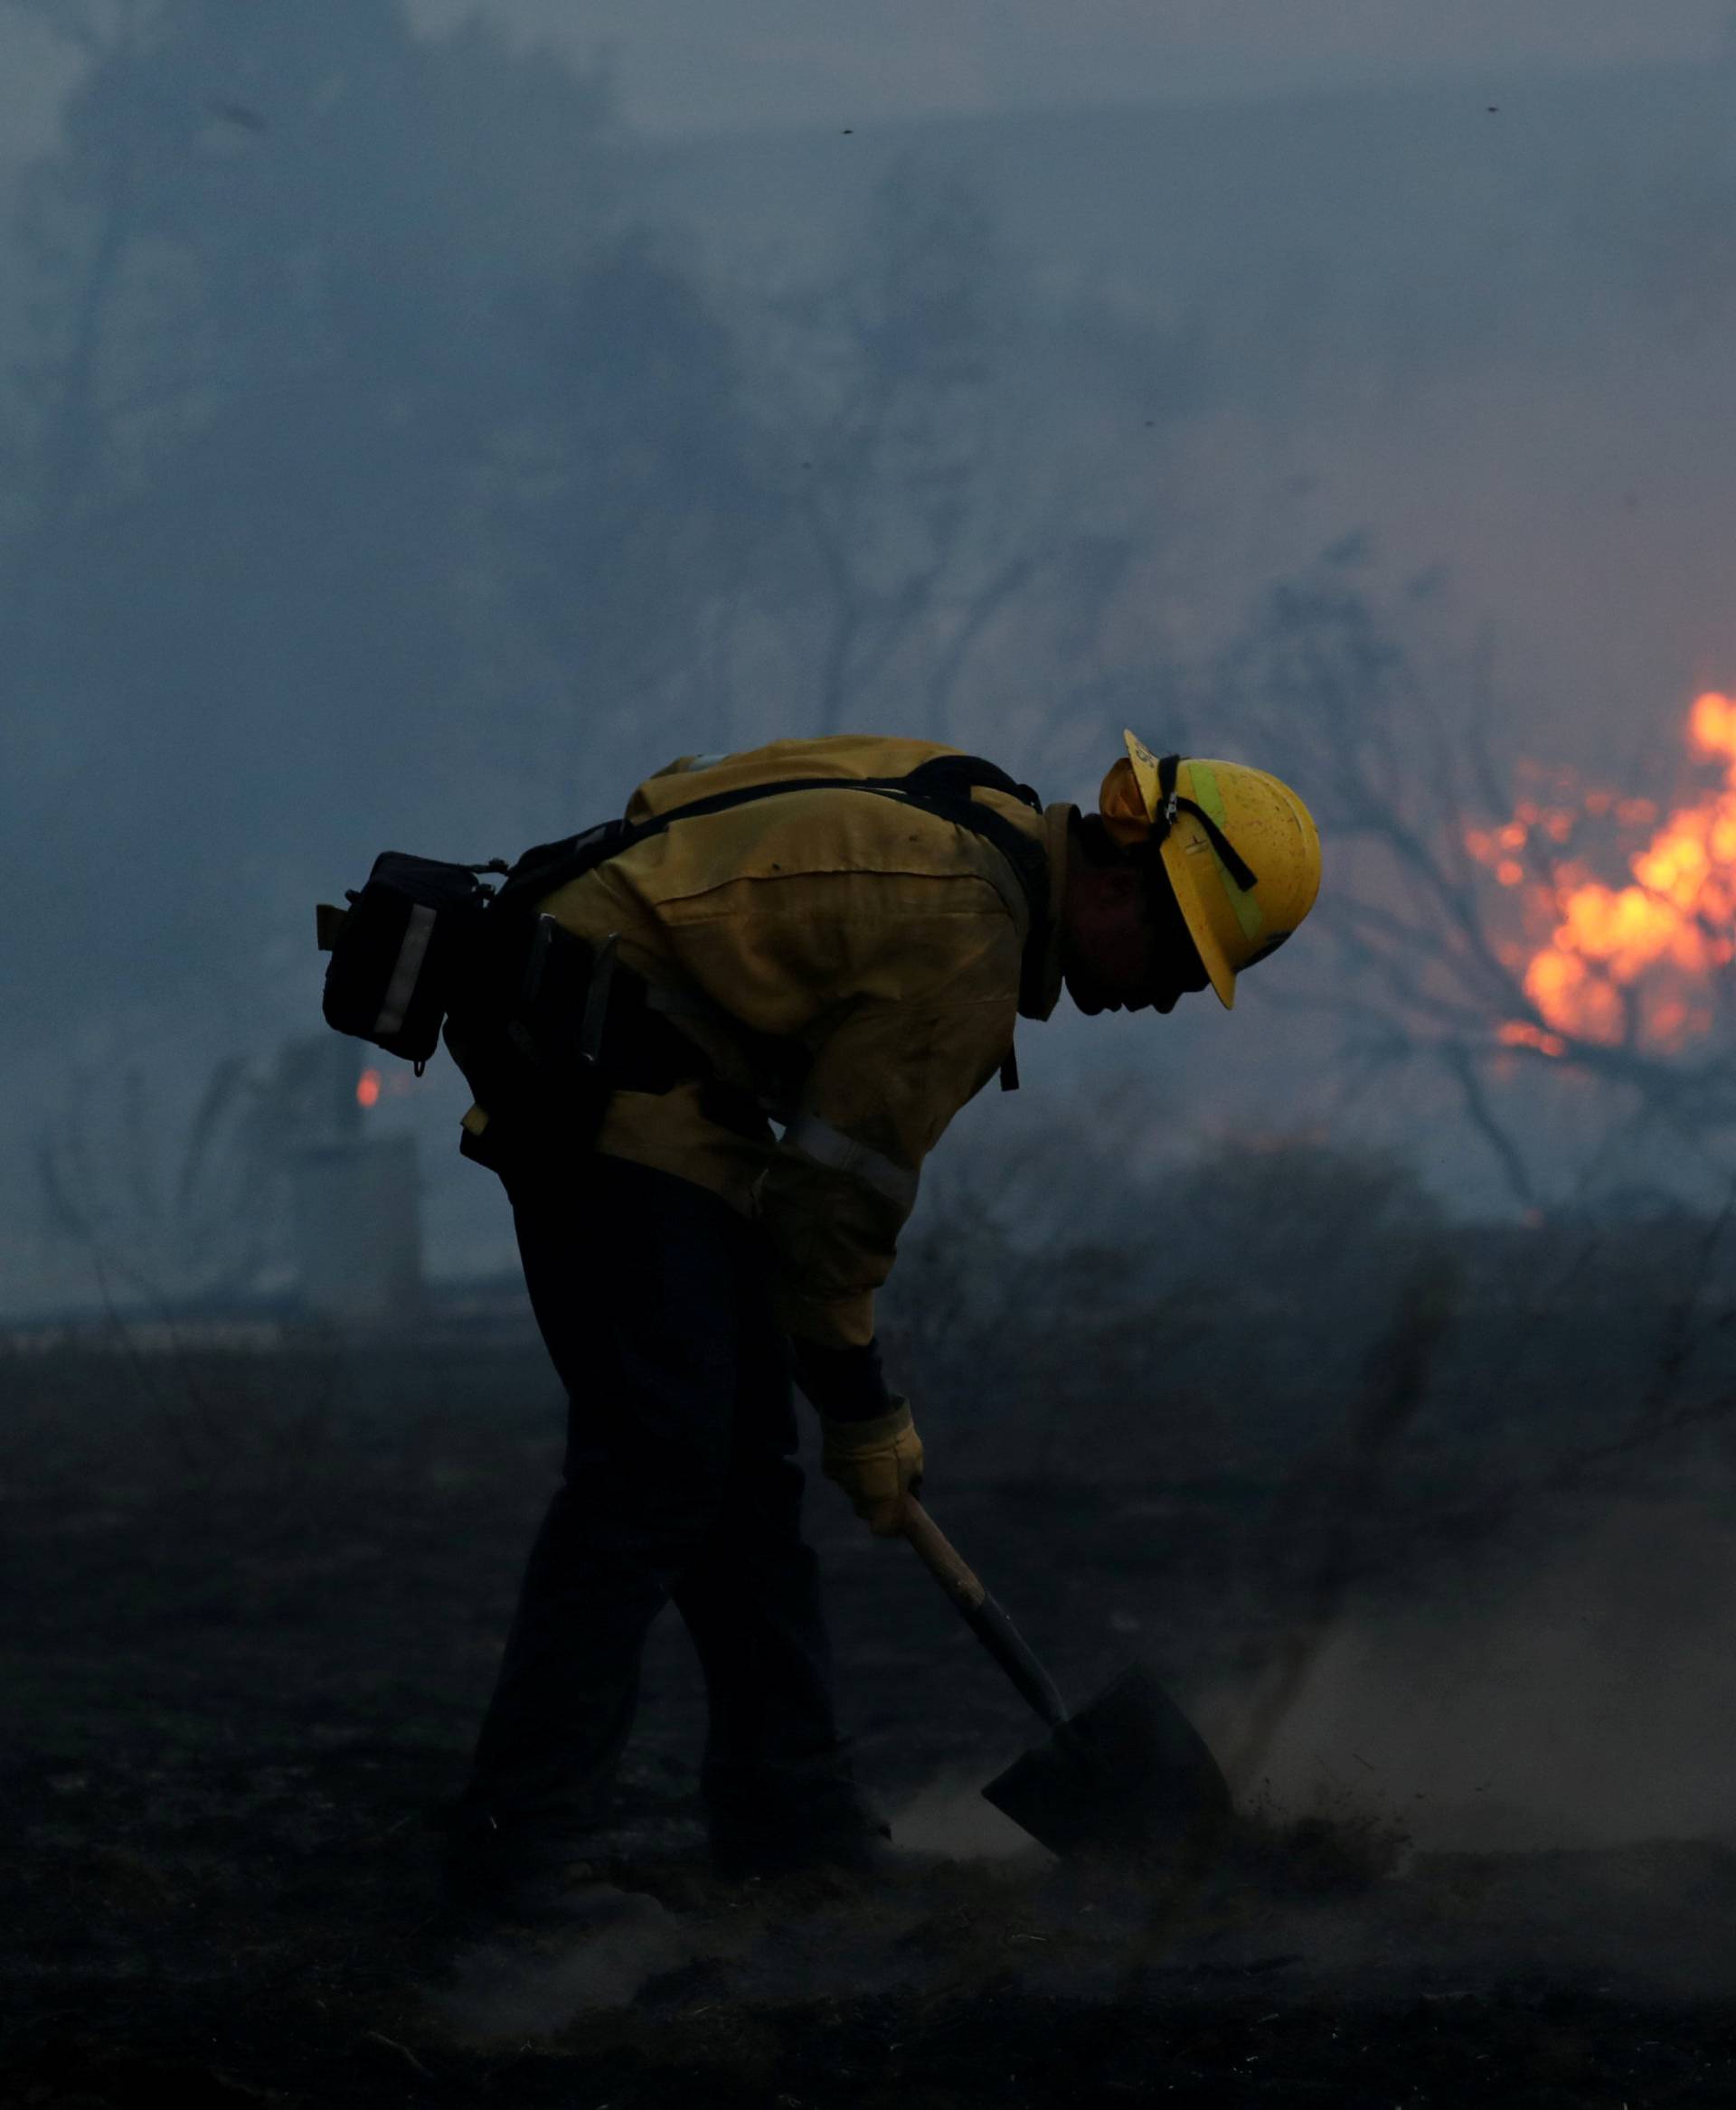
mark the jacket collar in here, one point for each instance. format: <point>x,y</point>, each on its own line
<point>1057,830</point>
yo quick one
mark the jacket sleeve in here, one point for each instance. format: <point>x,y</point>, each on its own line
<point>884,1083</point>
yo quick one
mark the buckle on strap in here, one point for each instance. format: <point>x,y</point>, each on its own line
<point>1235,863</point>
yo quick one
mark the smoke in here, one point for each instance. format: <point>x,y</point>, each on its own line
<point>949,1818</point>
<point>1554,1744</point>
<point>501,1990</point>
<point>1592,1704</point>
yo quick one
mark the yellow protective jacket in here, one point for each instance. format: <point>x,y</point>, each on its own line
<point>851,962</point>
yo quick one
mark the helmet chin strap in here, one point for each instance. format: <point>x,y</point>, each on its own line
<point>1174,805</point>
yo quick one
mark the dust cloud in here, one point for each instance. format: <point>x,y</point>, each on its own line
<point>949,1818</point>
<point>1529,1771</point>
<point>1589,1704</point>
<point>499,1990</point>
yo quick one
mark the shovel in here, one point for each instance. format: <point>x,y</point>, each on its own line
<point>1128,1775</point>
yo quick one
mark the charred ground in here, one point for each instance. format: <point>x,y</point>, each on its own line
<point>256,1599</point>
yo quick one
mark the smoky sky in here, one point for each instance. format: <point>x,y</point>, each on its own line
<point>697,66</point>
<point>445,516</point>
<point>691,66</point>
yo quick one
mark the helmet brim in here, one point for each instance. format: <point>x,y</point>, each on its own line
<point>1182,871</point>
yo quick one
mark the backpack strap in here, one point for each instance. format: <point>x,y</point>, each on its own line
<point>941,786</point>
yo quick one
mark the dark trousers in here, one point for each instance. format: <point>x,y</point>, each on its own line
<point>680,1485</point>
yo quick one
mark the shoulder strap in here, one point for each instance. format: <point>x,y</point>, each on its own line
<point>941,786</point>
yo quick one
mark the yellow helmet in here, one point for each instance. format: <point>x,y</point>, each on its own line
<point>1240,849</point>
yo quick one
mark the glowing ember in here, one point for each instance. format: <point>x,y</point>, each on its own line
<point>1607,963</point>
<point>367,1089</point>
<point>1520,1032</point>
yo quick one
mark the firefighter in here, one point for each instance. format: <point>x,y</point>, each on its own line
<point>855,966</point>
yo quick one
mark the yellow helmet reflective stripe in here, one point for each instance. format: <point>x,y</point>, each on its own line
<point>1240,849</point>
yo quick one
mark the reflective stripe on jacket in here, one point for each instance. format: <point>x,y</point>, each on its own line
<point>851,963</point>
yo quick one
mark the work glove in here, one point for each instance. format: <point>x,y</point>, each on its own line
<point>877,1464</point>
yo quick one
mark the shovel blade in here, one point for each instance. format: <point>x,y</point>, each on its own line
<point>1128,1775</point>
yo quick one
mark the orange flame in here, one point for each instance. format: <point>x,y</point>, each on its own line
<point>367,1089</point>
<point>1520,1032</point>
<point>1633,959</point>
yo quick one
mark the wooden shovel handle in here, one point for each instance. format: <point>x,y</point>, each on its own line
<point>942,1558</point>
<point>981,1613</point>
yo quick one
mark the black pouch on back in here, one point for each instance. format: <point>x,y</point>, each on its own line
<point>398,954</point>
<point>530,1035</point>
